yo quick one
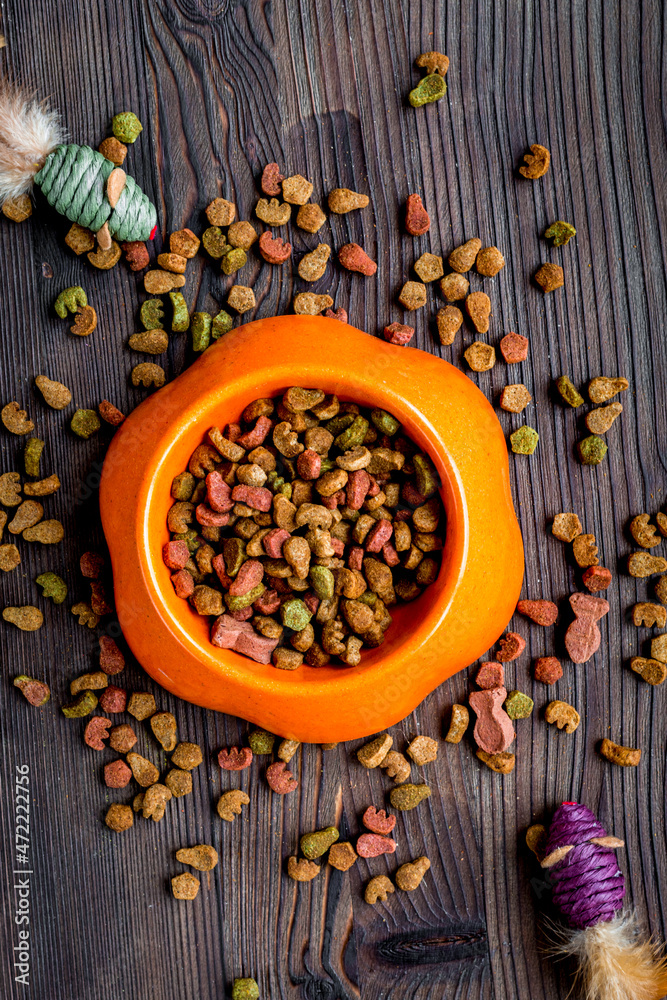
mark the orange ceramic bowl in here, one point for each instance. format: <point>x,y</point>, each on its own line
<point>454,621</point>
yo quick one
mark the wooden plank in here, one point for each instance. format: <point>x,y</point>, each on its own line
<point>221,89</point>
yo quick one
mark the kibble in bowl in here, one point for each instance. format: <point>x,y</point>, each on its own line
<point>464,582</point>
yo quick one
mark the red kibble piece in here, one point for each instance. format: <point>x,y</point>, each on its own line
<point>257,647</point>
<point>511,647</point>
<point>490,675</point>
<point>232,432</point>
<point>273,249</point>
<point>514,348</point>
<point>136,254</point>
<point>110,413</point>
<point>218,493</point>
<point>113,700</point>
<point>596,578</point>
<point>209,518</point>
<point>175,554</point>
<point>308,464</point>
<point>117,774</point>
<point>235,759</point>
<point>255,437</point>
<point>267,603</point>
<point>312,601</point>
<point>273,542</point>
<point>339,314</point>
<point>98,599</point>
<point>256,497</point>
<point>338,546</point>
<point>355,559</point>
<point>585,605</point>
<point>372,845</point>
<point>248,576</point>
<point>374,485</point>
<point>281,781</point>
<point>493,731</point>
<point>357,487</point>
<point>398,333</point>
<point>540,612</point>
<point>390,555</point>
<point>378,821</point>
<point>226,630</point>
<point>548,670</point>
<point>353,258</point>
<point>112,660</point>
<point>96,732</point>
<point>91,564</point>
<point>218,564</point>
<point>380,533</point>
<point>337,500</point>
<point>242,614</point>
<point>417,220</point>
<point>583,637</point>
<point>271,180</point>
<point>402,515</point>
<point>412,496</point>
<point>183,583</point>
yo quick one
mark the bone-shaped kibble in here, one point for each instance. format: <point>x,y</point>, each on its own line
<point>494,731</point>
<point>583,637</point>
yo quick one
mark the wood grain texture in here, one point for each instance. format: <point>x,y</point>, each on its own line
<point>222,87</point>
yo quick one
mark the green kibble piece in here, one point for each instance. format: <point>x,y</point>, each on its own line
<point>353,435</point>
<point>53,586</point>
<point>241,601</point>
<point>126,126</point>
<point>568,392</point>
<point>323,582</point>
<point>222,323</point>
<point>81,706</point>
<point>151,314</point>
<point>180,318</point>
<point>233,550</point>
<point>182,486</point>
<point>215,242</point>
<point>201,331</point>
<point>245,989</point>
<point>314,845</point>
<point>561,233</point>
<point>524,441</point>
<point>261,741</point>
<point>31,456</point>
<point>85,423</point>
<point>518,705</point>
<point>430,89</point>
<point>295,614</point>
<point>368,597</point>
<point>327,465</point>
<point>408,796</point>
<point>338,424</point>
<point>233,261</point>
<point>426,478</point>
<point>592,450</point>
<point>189,537</point>
<point>69,300</point>
<point>385,422</point>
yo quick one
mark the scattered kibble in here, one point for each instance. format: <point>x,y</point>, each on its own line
<point>515,398</point>
<point>126,127</point>
<point>601,389</point>
<point>185,886</point>
<point>568,392</point>
<point>536,162</point>
<point>378,888</point>
<point>518,705</point>
<point>621,755</point>
<point>566,527</point>
<point>550,277</point>
<point>459,721</point>
<point>563,715</point>
<point>548,670</point>
<point>524,440</point>
<point>561,233</point>
<point>35,692</point>
<point>481,357</point>
<point>203,857</point>
<point>408,796</point>
<point>592,450</point>
<point>27,618</point>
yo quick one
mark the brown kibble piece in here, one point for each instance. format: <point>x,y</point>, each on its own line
<point>462,258</point>
<point>514,348</point>
<point>9,557</point>
<point>47,532</point>
<point>512,646</point>
<point>566,527</point>
<point>585,550</point>
<point>458,724</point>
<point>202,857</point>
<point>104,260</point>
<point>309,304</point>
<point>117,774</point>
<point>230,803</point>
<point>550,277</point>
<point>641,564</point>
<point>56,395</point>
<point>185,886</point>
<point>110,413</point>
<point>601,389</point>
<point>274,212</point>
<point>548,670</point>
<point>396,766</point>
<point>490,675</point>
<point>80,240</point>
<point>141,705</point>
<point>161,282</point>
<point>95,681</point>
<point>313,265</point>
<point>412,295</point>
<point>617,754</point>
<point>537,162</point>
<point>433,62</point>
<point>113,149</point>
<point>16,420</point>
<point>448,321</point>
<point>502,763</point>
<point>429,267</point>
<point>310,218</point>
<point>221,212</point>
<point>649,615</point>
<point>148,374</point>
<point>489,261</point>
<point>651,671</point>
<point>454,287</point>
<point>145,773</point>
<point>515,398</point>
<point>481,357</point>
<point>119,817</point>
<point>417,221</point>
<point>173,262</point>
<point>187,756</point>
<point>600,420</point>
<point>164,729</point>
<point>179,782</point>
<point>136,254</point>
<point>423,750</point>
<point>150,341</point>
<point>644,533</point>
<point>541,612</point>
<point>373,754</point>
<point>122,738</point>
<point>478,307</point>
<point>378,888</point>
<point>342,200</point>
<point>342,856</point>
<point>17,209</point>
<point>296,189</point>
<point>302,870</point>
<point>241,298</point>
<point>564,715</point>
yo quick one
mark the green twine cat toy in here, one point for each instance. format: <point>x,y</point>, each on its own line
<point>77,181</point>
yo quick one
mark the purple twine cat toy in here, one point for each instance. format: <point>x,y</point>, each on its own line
<point>588,890</point>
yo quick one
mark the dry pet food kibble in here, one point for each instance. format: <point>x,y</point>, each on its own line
<point>592,450</point>
<point>493,731</point>
<point>643,532</point>
<point>417,220</point>
<point>565,716</point>
<point>642,564</point>
<point>548,670</point>
<point>600,420</point>
<point>429,267</point>
<point>566,527</point>
<point>35,692</point>
<point>458,724</point>
<point>617,754</point>
<point>550,277</point>
<point>301,870</point>
<point>378,888</point>
<point>412,295</point>
<point>423,750</point>
<point>502,763</point>
<point>448,321</point>
<point>342,200</point>
<point>119,817</point>
<point>515,398</point>
<point>342,856</point>
<point>202,857</point>
<point>27,618</point>
<point>568,392</point>
<point>651,671</point>
<point>408,796</point>
<point>524,440</point>
<point>601,389</point>
<point>478,307</point>
<point>480,357</point>
<point>372,754</point>
<point>536,162</point>
<point>245,989</point>
<point>489,261</point>
<point>561,233</point>
<point>185,886</point>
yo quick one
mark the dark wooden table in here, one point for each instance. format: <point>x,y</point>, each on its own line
<point>222,88</point>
